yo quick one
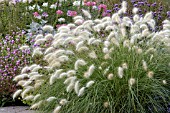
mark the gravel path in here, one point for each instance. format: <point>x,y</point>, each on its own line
<point>16,109</point>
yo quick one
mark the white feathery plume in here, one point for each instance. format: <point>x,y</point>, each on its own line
<point>59,52</point>
<point>134,10</point>
<point>145,67</point>
<point>48,50</point>
<point>124,66</point>
<point>120,72</point>
<point>124,6</point>
<point>63,28</point>
<point>58,72</point>
<point>136,18</point>
<point>145,33</point>
<point>52,79</point>
<point>106,43</point>
<point>70,87</point>
<point>57,109</point>
<point>110,36</point>
<point>164,81</point>
<point>89,72</point>
<point>78,63</point>
<point>92,55</point>
<point>51,99</point>
<point>17,93</point>
<point>21,82</point>
<point>35,77</point>
<point>62,75</point>
<point>80,44</point>
<point>108,28</point>
<point>110,76</point>
<point>97,21</point>
<point>63,102</point>
<point>78,21</point>
<point>90,40</point>
<point>47,28</point>
<point>83,49</point>
<point>104,19</point>
<point>57,42</point>
<point>86,13</point>
<point>126,43</point>
<point>71,25</point>
<point>36,68</point>
<point>24,47</point>
<point>77,17</point>
<point>76,87</point>
<point>27,83</point>
<point>36,97</point>
<point>48,37</point>
<point>63,58</point>
<point>107,56</point>
<point>36,52</point>
<point>71,73</point>
<point>36,105</point>
<point>37,85</point>
<point>150,74</point>
<point>27,90</point>
<point>29,98</point>
<point>143,26</point>
<point>70,79</point>
<point>24,70</point>
<point>81,91</point>
<point>69,52</point>
<point>131,81</point>
<point>152,23</point>
<point>39,36</point>
<point>147,17</point>
<point>166,21</point>
<point>32,66</point>
<point>90,83</point>
<point>115,41</point>
<point>40,41</point>
<point>33,73</point>
<point>105,50</point>
<point>67,40</point>
<point>116,18</point>
<point>20,77</point>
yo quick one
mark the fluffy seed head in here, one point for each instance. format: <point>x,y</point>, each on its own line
<point>90,83</point>
<point>57,109</point>
<point>131,81</point>
<point>150,74</point>
<point>120,72</point>
<point>110,76</point>
<point>81,91</point>
<point>63,101</point>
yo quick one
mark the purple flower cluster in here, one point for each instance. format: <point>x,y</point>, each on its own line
<point>158,9</point>
<point>12,60</point>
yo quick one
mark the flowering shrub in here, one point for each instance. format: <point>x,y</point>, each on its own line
<point>113,64</point>
<point>12,61</point>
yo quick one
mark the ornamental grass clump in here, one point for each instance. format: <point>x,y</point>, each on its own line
<point>104,65</point>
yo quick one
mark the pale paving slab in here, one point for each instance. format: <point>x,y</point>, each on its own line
<point>16,109</point>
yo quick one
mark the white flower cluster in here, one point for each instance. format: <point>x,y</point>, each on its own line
<point>75,39</point>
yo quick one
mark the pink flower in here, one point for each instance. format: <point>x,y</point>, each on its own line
<point>104,14</point>
<point>36,14</point>
<point>90,3</point>
<point>71,13</point>
<point>102,6</point>
<point>59,25</point>
<point>59,12</point>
